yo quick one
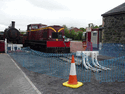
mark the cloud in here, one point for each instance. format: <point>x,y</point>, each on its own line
<point>76,13</point>
<point>52,5</point>
<point>2,27</point>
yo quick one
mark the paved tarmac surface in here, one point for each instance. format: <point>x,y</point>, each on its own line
<point>53,85</point>
<point>13,82</point>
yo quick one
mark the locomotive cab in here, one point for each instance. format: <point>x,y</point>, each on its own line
<point>56,33</point>
<point>56,40</point>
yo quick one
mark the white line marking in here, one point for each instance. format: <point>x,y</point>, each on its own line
<point>26,77</point>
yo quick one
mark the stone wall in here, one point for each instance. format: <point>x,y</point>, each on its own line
<point>114,31</point>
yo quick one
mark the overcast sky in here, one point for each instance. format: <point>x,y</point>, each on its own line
<point>72,13</point>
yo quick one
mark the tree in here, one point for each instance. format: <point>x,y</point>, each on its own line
<point>79,37</point>
<point>66,31</point>
<point>22,32</point>
<point>100,25</point>
<point>95,27</point>
<point>76,37</point>
<point>65,27</point>
<point>72,34</point>
<point>83,29</point>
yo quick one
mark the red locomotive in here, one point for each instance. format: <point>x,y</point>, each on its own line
<point>45,38</point>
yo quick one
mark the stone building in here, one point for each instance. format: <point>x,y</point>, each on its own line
<point>114,25</point>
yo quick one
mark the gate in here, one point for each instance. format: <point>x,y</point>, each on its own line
<point>14,47</point>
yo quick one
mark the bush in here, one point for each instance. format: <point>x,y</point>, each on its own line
<point>73,35</point>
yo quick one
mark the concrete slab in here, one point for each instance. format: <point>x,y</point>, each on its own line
<point>101,57</point>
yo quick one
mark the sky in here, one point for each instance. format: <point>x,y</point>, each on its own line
<point>72,13</point>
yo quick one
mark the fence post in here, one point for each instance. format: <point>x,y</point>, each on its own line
<point>89,46</point>
<point>5,45</point>
<point>100,46</point>
<point>12,47</point>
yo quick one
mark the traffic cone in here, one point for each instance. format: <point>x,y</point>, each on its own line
<point>72,83</point>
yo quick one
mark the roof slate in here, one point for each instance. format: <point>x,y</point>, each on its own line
<point>117,10</point>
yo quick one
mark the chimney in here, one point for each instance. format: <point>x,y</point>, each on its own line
<point>13,24</point>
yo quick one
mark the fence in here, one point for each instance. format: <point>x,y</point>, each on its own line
<point>113,49</point>
<point>58,65</point>
<point>51,64</point>
<point>117,72</point>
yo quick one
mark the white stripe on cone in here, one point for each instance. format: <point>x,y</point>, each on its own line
<point>73,69</point>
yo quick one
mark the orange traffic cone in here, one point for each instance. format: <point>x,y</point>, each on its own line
<point>72,76</point>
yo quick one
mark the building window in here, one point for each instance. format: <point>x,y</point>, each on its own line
<point>94,34</point>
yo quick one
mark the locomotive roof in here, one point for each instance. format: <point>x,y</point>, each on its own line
<point>117,10</point>
<point>55,26</point>
<point>46,25</point>
<point>38,24</point>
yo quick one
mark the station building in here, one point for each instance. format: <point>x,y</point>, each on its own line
<point>114,25</point>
